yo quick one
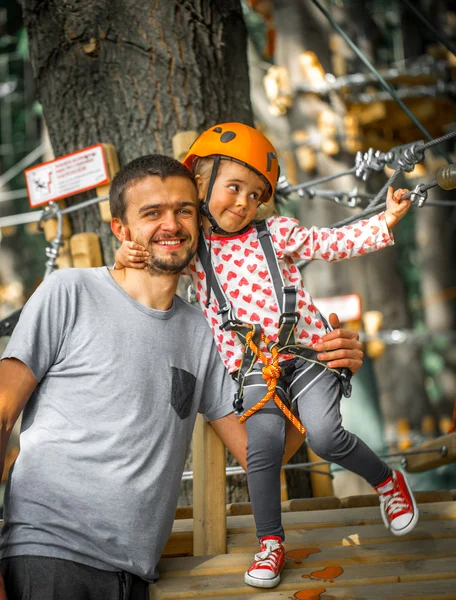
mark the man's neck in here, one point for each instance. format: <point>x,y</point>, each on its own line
<point>154,291</point>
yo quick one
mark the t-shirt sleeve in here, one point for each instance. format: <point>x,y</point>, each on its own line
<point>40,337</point>
<point>218,391</point>
<point>330,244</point>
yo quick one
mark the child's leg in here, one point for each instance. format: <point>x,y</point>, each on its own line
<point>266,445</point>
<point>317,393</point>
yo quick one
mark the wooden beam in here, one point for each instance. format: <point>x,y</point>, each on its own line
<point>445,453</point>
<point>209,491</point>
<point>321,481</point>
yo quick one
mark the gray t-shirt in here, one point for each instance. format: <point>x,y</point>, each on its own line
<point>106,433</point>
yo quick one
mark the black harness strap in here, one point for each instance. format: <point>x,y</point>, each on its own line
<point>230,322</point>
<point>286,296</point>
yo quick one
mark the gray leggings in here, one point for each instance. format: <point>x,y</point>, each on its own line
<point>316,393</point>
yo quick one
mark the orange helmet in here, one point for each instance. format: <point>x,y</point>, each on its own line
<point>241,143</point>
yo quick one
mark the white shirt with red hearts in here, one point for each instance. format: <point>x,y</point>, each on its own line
<point>243,274</point>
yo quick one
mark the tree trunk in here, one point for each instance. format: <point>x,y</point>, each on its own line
<point>133,74</point>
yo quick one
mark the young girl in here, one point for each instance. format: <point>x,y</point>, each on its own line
<point>245,275</point>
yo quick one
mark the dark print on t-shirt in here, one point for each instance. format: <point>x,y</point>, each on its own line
<point>182,389</point>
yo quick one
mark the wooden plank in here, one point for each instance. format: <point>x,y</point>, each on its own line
<point>181,539</point>
<point>209,491</point>
<point>372,499</point>
<point>423,462</point>
<point>312,557</point>
<point>184,512</point>
<point>180,542</point>
<point>346,536</point>
<point>299,504</point>
<point>321,483</point>
<point>308,578</point>
<point>425,590</point>
<point>344,516</point>
<point>302,504</point>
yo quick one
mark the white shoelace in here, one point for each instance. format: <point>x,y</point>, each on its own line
<point>394,503</point>
<point>267,556</point>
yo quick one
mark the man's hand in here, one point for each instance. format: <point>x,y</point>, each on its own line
<point>340,348</point>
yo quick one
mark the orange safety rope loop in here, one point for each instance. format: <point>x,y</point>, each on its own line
<point>270,373</point>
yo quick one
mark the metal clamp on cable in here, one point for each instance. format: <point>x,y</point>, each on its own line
<point>372,160</point>
<point>52,211</point>
<point>406,157</point>
<point>419,195</point>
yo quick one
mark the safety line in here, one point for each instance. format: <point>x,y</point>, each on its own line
<point>379,77</point>
<point>445,41</point>
<point>22,164</point>
<point>34,216</point>
<point>303,186</point>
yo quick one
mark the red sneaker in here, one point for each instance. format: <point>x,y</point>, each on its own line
<point>265,569</point>
<point>397,504</point>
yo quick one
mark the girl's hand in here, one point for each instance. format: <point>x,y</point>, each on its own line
<point>396,207</point>
<point>130,254</point>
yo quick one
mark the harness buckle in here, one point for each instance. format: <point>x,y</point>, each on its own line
<point>229,321</point>
<point>290,317</point>
<point>290,289</point>
<point>345,380</point>
<point>238,404</point>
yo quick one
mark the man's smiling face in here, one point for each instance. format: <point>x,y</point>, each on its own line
<point>162,215</point>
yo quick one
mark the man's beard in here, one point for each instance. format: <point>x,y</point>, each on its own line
<point>172,266</point>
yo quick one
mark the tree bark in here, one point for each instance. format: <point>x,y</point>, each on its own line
<point>133,74</point>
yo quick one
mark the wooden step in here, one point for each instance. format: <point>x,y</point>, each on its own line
<point>340,553</point>
<point>306,578</point>
<point>323,503</point>
<point>353,535</point>
<point>181,539</point>
<point>205,566</point>
<point>423,590</point>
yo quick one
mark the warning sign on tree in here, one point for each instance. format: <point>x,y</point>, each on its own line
<point>67,175</point>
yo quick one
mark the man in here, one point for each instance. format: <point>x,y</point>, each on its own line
<point>111,369</point>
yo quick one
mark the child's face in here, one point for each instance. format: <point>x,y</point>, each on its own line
<point>235,196</point>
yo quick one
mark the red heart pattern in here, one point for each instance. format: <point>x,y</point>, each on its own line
<point>243,274</point>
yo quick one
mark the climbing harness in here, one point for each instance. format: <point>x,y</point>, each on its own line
<point>270,373</point>
<point>250,335</point>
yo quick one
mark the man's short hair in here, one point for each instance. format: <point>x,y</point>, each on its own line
<point>137,169</point>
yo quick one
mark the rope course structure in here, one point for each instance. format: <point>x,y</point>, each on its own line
<point>400,158</point>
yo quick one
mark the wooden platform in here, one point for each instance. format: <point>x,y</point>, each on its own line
<point>331,554</point>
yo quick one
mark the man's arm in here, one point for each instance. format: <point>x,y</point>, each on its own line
<point>234,435</point>
<point>17,383</point>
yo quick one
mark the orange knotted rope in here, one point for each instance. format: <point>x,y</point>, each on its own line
<point>270,372</point>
